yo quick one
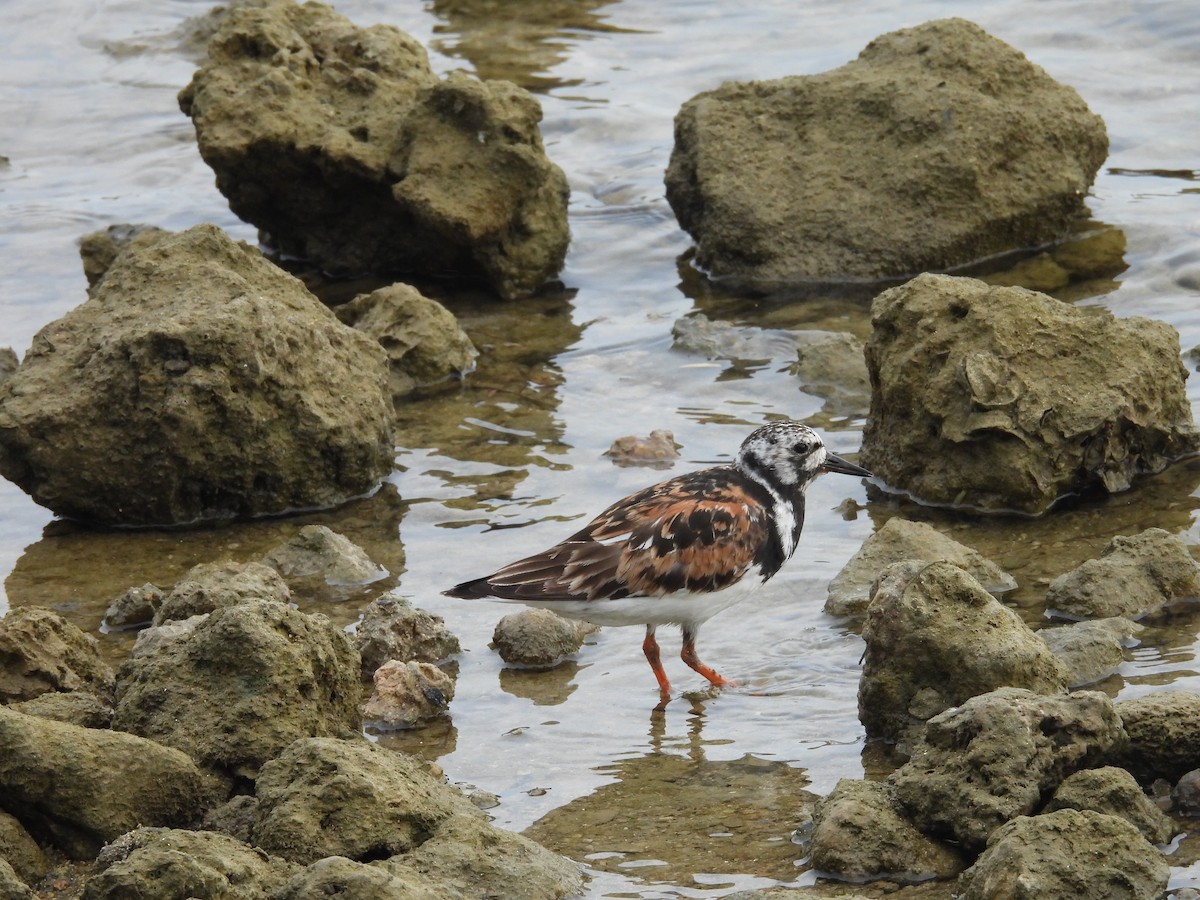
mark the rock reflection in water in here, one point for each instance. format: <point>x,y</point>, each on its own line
<point>674,816</point>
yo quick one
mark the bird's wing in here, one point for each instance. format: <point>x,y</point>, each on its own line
<point>699,532</point>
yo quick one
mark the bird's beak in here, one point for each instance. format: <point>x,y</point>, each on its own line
<point>834,463</point>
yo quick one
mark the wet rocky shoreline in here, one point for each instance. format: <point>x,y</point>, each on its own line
<point>200,383</point>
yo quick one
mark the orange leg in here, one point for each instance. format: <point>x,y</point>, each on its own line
<point>654,657</point>
<point>688,655</point>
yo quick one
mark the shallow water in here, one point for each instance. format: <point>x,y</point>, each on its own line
<point>702,797</point>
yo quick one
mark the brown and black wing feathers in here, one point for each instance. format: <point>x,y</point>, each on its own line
<point>698,532</point>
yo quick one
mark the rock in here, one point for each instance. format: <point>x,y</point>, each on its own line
<point>350,880</point>
<point>1114,792</point>
<point>392,628</point>
<point>21,852</point>
<point>346,150</point>
<point>538,637</point>
<point>12,886</point>
<point>994,758</point>
<point>198,381</point>
<point>100,249</point>
<point>900,539</point>
<point>859,834</point>
<point>1090,651</point>
<point>164,862</point>
<point>317,550</point>
<point>697,333</point>
<point>1164,735</point>
<point>830,365</point>
<point>1002,399</point>
<point>407,694</point>
<point>41,651</point>
<point>210,586</point>
<point>658,451</point>
<point>935,638</point>
<point>243,685</point>
<point>1185,796</point>
<point>1135,576</point>
<point>73,707</point>
<point>150,641</point>
<point>938,145</point>
<point>1065,855</point>
<point>324,797</point>
<point>133,609</point>
<point>9,362</point>
<point>423,341</point>
<point>83,787</point>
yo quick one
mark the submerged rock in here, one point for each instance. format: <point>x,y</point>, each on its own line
<point>1003,399</point>
<point>935,638</point>
<point>938,145</point>
<point>900,539</point>
<point>40,651</point>
<point>1066,855</point>
<point>345,149</point>
<point>538,637</point>
<point>994,758</point>
<point>658,450</point>
<point>860,834</point>
<point>198,381</point>
<point>1135,576</point>
<point>423,341</point>
<point>134,608</point>
<point>318,550</point>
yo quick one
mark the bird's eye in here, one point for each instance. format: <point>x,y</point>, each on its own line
<point>802,447</point>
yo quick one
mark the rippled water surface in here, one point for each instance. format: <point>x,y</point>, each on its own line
<point>701,798</point>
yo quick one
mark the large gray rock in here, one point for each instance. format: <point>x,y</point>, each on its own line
<point>423,341</point>
<point>40,651</point>
<point>1066,855</point>
<point>84,787</point>
<point>1003,399</point>
<point>325,797</point>
<point>242,685</point>
<point>995,757</point>
<point>345,149</point>
<point>165,862</point>
<point>197,381</point>
<point>900,539</point>
<point>860,834</point>
<point>935,638</point>
<point>938,145</point>
<point>1164,735</point>
<point>1135,576</point>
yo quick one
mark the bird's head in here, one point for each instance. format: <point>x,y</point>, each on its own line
<point>791,454</point>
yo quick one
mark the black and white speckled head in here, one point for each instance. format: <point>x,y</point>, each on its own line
<point>790,455</point>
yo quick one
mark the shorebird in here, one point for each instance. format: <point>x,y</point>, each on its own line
<point>681,551</point>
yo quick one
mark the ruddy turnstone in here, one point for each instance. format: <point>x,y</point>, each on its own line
<point>678,552</point>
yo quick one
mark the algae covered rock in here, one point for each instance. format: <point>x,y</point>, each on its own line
<point>40,651</point>
<point>938,145</point>
<point>1003,399</point>
<point>346,150</point>
<point>1164,735</point>
<point>1114,792</point>
<point>198,381</point>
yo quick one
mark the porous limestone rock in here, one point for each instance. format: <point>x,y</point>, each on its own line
<point>538,637</point>
<point>40,651</point>
<point>938,145</point>
<point>1090,651</point>
<point>392,628</point>
<point>1003,399</point>
<point>345,149</point>
<point>1114,792</point>
<point>1164,735</point>
<point>198,381</point>
<point>935,638</point>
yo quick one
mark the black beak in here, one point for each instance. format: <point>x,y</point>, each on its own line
<point>834,463</point>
